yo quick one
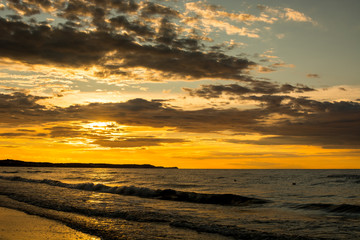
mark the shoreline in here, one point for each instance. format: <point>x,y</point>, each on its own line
<point>16,224</point>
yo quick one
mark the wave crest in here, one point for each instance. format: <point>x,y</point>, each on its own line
<point>163,194</point>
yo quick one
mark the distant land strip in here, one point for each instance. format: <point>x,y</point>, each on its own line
<point>18,163</point>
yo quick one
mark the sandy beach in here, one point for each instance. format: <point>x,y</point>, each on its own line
<point>17,225</point>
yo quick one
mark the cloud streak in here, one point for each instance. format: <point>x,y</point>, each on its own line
<point>135,142</point>
<point>295,120</point>
<point>312,75</point>
<point>264,87</point>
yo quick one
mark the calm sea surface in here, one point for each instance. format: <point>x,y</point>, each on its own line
<point>190,204</point>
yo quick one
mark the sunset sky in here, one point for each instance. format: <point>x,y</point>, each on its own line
<point>193,84</point>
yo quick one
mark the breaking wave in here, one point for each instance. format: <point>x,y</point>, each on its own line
<point>163,194</point>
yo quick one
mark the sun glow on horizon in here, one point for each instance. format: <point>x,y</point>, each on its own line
<point>209,84</point>
<point>101,125</point>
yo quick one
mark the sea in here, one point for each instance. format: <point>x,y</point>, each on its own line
<point>122,203</point>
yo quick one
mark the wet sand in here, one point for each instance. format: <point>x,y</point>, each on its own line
<point>16,225</point>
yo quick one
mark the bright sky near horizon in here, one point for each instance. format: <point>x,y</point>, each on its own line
<point>193,84</point>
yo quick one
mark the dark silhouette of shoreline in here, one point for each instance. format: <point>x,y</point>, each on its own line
<point>18,163</point>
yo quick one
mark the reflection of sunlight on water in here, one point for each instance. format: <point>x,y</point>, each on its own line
<point>96,198</point>
<point>100,174</point>
<point>107,177</point>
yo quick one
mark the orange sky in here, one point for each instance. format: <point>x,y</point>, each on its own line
<point>213,84</point>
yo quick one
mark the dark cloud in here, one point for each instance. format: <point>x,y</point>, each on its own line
<point>42,44</point>
<point>14,17</point>
<point>137,112</point>
<point>46,4</point>
<point>328,124</point>
<point>12,134</point>
<point>76,9</point>
<point>19,102</point>
<point>68,132</point>
<point>261,7</point>
<point>136,142</point>
<point>119,35</point>
<point>263,87</point>
<point>122,6</point>
<point>215,91</point>
<point>303,106</point>
<point>105,136</point>
<point>98,11</point>
<point>298,121</point>
<point>18,108</point>
<point>77,131</point>
<point>167,32</point>
<point>141,112</point>
<point>41,135</point>
<point>23,7</point>
<point>195,64</point>
<point>137,27</point>
<point>73,10</point>
<point>25,130</point>
<point>339,142</point>
<point>313,75</point>
<point>123,35</point>
<point>151,8</point>
<point>66,46</point>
